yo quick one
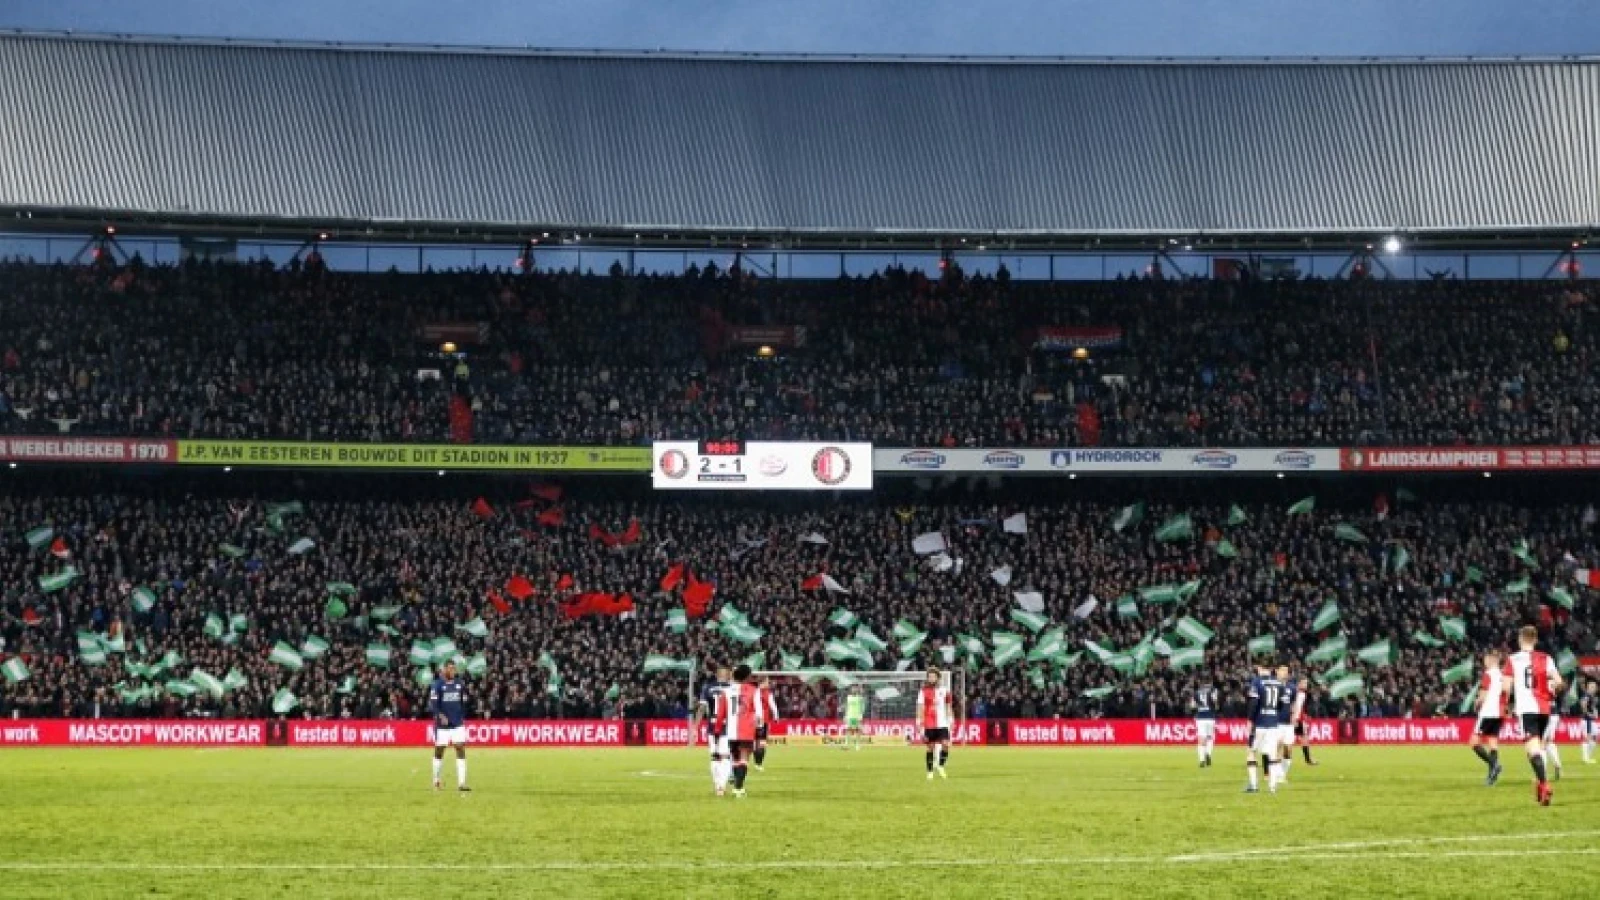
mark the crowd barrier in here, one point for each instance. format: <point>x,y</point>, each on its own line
<point>675,733</point>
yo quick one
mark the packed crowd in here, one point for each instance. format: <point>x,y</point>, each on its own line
<point>576,588</point>
<point>898,359</point>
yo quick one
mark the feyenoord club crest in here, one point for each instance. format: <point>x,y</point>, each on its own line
<point>674,464</point>
<point>831,466</point>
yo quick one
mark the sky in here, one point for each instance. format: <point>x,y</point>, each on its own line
<point>939,27</point>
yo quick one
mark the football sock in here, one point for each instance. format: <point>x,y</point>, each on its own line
<point>944,756</point>
<point>1251,768</point>
<point>1305,752</point>
<point>761,755</point>
<point>739,770</point>
<point>930,760</point>
<point>461,771</point>
<point>1537,761</point>
<point>1553,755</point>
<point>1284,764</point>
<point>438,764</point>
<point>1200,751</point>
<point>1272,773</point>
<point>1483,754</point>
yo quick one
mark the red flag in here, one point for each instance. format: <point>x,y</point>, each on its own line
<point>1280,561</point>
<point>59,549</point>
<point>673,578</point>
<point>549,493</point>
<point>553,517</point>
<point>697,596</point>
<point>814,583</point>
<point>29,617</point>
<point>596,533</point>
<point>1588,577</point>
<point>565,583</point>
<point>482,509</point>
<point>631,534</point>
<point>520,588</point>
<point>500,604</point>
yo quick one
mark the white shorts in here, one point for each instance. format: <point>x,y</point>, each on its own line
<point>1552,730</point>
<point>450,737</point>
<point>1206,729</point>
<point>1286,735</point>
<point>1590,729</point>
<point>719,747</point>
<point>1267,741</point>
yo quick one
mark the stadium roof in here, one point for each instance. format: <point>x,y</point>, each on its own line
<point>433,141</point>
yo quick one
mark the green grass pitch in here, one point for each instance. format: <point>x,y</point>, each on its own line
<point>304,823</point>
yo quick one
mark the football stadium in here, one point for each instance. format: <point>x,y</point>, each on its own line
<point>593,474</point>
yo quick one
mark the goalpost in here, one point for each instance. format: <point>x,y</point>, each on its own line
<point>890,700</point>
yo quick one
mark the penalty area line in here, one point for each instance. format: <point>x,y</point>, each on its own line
<point>1274,852</point>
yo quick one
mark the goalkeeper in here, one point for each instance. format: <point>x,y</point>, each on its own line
<point>855,709</point>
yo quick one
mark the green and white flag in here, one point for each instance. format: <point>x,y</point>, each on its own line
<point>422,675</point>
<point>207,682</point>
<point>117,644</point>
<point>1468,703</point>
<point>904,629</point>
<point>336,609</point>
<point>971,645</point>
<point>1522,553</point>
<point>1236,516</point>
<point>1426,639</point>
<point>1349,533</point>
<point>1099,652</point>
<point>866,638</point>
<point>285,655</point>
<point>234,680</point>
<point>284,701</point>
<point>756,661</point>
<point>1453,628</point>
<point>1347,686</point>
<point>214,626</point>
<point>1128,517</point>
<point>378,655</point>
<point>554,685</point>
<point>477,665</point>
<point>743,632</point>
<point>143,599</point>
<point>791,661</point>
<point>1520,586</point>
<point>1194,632</point>
<point>1304,507</point>
<point>1264,645</point>
<point>846,651</point>
<point>1006,654</point>
<point>1189,589</point>
<point>1177,528</point>
<point>1226,550</point>
<point>1326,616</point>
<point>341,589</point>
<point>1127,607</point>
<point>1461,671</point>
<point>292,508</point>
<point>314,647</point>
<point>1034,622</point>
<point>1184,657</point>
<point>1143,654</point>
<point>1331,649</point>
<point>232,551</point>
<point>1566,662</point>
<point>1123,663</point>
<point>52,583</point>
<point>443,649</point>
<point>40,537</point>
<point>843,618</point>
<point>15,670</point>
<point>657,663</point>
<point>1379,654</point>
<point>1402,558</point>
<point>677,620</point>
<point>1160,593</point>
<point>1099,693</point>
<point>1474,574</point>
<point>301,546</point>
<point>1051,644</point>
<point>909,646</point>
<point>1561,597</point>
<point>385,613</point>
<point>475,628</point>
<point>547,662</point>
<point>239,623</point>
<point>91,652</point>
<point>347,686</point>
<point>180,688</point>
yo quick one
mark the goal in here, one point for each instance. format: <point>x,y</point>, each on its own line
<point>891,703</point>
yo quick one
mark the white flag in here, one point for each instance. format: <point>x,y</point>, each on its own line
<point>1085,609</point>
<point>932,542</point>
<point>1032,601</point>
<point>941,562</point>
<point>301,546</point>
<point>814,538</point>
<point>1001,576</point>
<point>1017,524</point>
<point>832,585</point>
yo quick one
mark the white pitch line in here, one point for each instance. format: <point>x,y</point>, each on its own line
<point>1225,855</point>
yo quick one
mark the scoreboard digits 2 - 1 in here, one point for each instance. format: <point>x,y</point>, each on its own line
<point>733,464</point>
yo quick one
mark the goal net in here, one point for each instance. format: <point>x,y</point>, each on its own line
<point>812,704</point>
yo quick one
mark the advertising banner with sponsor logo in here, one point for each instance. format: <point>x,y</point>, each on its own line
<point>675,732</point>
<point>1070,338</point>
<point>1182,732</point>
<point>761,466</point>
<point>131,733</point>
<point>1105,461</point>
<point>1469,459</point>
<point>88,450</point>
<point>753,336</point>
<point>488,733</point>
<point>298,454</point>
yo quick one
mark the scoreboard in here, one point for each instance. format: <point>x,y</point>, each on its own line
<point>736,465</point>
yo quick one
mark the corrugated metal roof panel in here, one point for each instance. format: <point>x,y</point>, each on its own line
<point>686,143</point>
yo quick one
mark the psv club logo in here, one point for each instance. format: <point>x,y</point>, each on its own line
<point>831,466</point>
<point>674,464</point>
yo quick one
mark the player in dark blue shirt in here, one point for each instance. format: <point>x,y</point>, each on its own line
<point>1204,703</point>
<point>447,701</point>
<point>1266,691</point>
<point>705,709</point>
<point>1288,714</point>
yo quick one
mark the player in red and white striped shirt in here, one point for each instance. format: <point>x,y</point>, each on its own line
<point>769,714</point>
<point>1491,714</point>
<point>738,717</point>
<point>1534,685</point>
<point>935,715</point>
